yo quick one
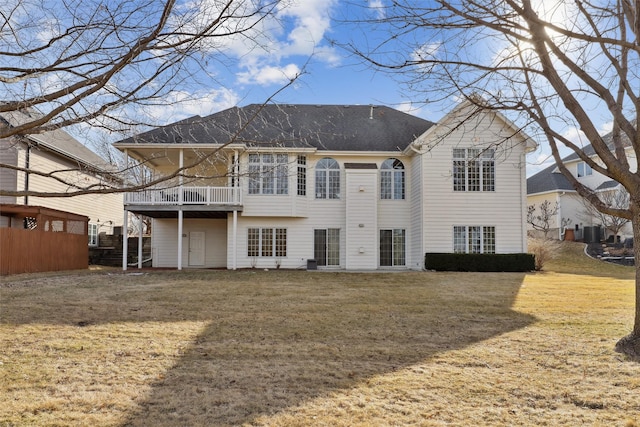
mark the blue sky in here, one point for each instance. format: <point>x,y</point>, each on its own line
<point>297,41</point>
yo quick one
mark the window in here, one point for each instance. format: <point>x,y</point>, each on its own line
<point>474,239</point>
<point>267,242</point>
<point>392,247</point>
<point>392,180</point>
<point>302,175</point>
<point>93,234</point>
<point>584,170</point>
<point>268,174</point>
<point>473,169</point>
<point>327,179</point>
<point>326,246</point>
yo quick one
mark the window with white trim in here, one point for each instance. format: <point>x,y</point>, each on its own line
<point>392,180</point>
<point>327,179</point>
<point>268,173</point>
<point>302,175</point>
<point>584,170</point>
<point>267,242</point>
<point>474,169</point>
<point>474,239</point>
<point>93,234</point>
<point>392,247</point>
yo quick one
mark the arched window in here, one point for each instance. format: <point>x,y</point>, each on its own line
<point>327,179</point>
<point>392,180</point>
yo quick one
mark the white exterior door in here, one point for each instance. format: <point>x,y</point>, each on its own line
<point>196,248</point>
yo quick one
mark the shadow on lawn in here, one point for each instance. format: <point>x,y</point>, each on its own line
<point>276,354</point>
<point>271,343</point>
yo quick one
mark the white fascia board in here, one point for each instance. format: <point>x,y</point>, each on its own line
<point>542,193</point>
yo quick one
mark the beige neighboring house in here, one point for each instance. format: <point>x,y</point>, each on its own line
<point>552,186</point>
<point>57,151</point>
<point>349,187</point>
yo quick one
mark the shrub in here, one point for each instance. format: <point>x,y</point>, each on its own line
<point>479,262</point>
<point>544,250</point>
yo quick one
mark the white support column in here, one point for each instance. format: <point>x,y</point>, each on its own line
<point>125,242</point>
<point>235,240</point>
<point>180,215</point>
<point>140,243</point>
<point>180,238</point>
<point>125,223</point>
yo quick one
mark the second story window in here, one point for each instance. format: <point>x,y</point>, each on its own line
<point>327,179</point>
<point>302,175</point>
<point>584,170</point>
<point>268,174</point>
<point>392,179</point>
<point>474,169</point>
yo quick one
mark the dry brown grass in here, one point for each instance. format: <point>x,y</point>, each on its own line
<point>294,348</point>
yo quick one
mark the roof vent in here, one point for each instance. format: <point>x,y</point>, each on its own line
<point>371,112</point>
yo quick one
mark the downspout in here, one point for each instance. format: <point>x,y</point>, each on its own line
<point>559,220</point>
<point>27,162</point>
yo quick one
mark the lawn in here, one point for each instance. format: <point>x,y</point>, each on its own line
<point>296,348</point>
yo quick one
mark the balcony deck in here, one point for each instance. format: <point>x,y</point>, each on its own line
<point>195,202</point>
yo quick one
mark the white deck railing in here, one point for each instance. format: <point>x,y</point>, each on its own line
<point>185,196</point>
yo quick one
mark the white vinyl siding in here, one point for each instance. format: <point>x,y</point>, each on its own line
<point>100,208</point>
<point>164,241</point>
<point>442,207</point>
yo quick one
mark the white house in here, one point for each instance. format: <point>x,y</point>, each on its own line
<point>35,162</point>
<point>550,185</point>
<point>345,187</point>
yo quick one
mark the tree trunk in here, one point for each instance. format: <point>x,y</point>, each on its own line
<point>630,345</point>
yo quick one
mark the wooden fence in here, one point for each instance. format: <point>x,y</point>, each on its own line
<point>30,251</point>
<point>35,238</point>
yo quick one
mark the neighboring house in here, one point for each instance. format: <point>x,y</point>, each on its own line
<point>347,187</point>
<point>58,153</point>
<point>552,186</point>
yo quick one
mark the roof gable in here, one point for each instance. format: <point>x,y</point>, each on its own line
<point>58,141</point>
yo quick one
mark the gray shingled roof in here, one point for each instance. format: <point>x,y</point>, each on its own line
<point>549,179</point>
<point>57,140</point>
<point>608,185</point>
<point>325,127</point>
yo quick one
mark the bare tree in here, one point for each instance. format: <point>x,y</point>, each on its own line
<point>546,65</point>
<point>102,64</point>
<point>542,220</point>
<point>617,198</point>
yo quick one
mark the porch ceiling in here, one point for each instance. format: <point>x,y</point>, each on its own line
<point>203,212</point>
<point>169,157</point>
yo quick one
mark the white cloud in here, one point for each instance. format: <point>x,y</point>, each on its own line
<point>298,29</point>
<point>179,105</point>
<point>268,74</point>
<point>410,108</point>
<point>605,128</point>
<point>378,7</point>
